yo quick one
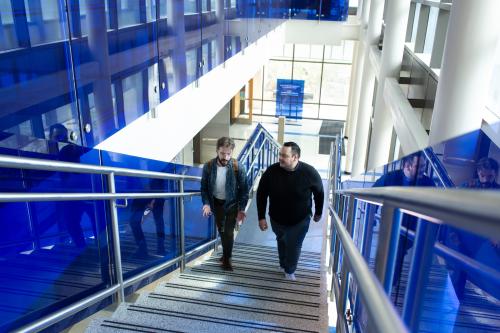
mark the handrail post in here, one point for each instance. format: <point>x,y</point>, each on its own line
<point>418,275</point>
<point>116,238</point>
<point>387,249</point>
<point>181,227</point>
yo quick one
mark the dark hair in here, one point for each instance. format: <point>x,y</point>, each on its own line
<point>487,163</point>
<point>225,142</point>
<point>409,159</point>
<point>295,147</point>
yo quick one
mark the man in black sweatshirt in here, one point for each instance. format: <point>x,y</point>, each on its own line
<point>289,185</point>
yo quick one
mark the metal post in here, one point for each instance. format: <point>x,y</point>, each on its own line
<point>418,276</point>
<point>387,249</point>
<point>181,227</point>
<point>116,238</point>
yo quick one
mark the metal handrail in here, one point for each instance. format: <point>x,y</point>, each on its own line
<point>380,309</point>
<point>261,129</point>
<point>474,211</point>
<point>49,165</point>
<point>112,196</point>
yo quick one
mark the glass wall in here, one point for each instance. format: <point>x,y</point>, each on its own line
<point>325,71</point>
<point>94,66</point>
<point>440,277</point>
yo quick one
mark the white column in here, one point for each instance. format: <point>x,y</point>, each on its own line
<point>367,84</point>
<point>390,66</point>
<point>468,59</point>
<point>356,76</point>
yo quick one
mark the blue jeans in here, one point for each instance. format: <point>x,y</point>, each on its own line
<point>290,239</point>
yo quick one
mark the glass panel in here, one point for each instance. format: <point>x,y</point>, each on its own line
<point>273,71</point>
<point>302,10</point>
<point>212,29</point>
<point>179,63</point>
<point>333,112</point>
<point>334,10</point>
<point>148,227</point>
<point>309,52</point>
<point>129,13</point>
<point>335,85</point>
<point>311,74</point>
<point>310,111</point>
<point>52,252</point>
<point>46,21</point>
<point>286,52</point>
<point>8,35</point>
<point>340,53</point>
<point>197,229</point>
<point>41,75</point>
<point>116,72</point>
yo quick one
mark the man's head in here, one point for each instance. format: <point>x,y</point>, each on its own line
<point>225,148</point>
<point>413,166</point>
<point>289,155</point>
<point>58,132</point>
<point>487,170</point>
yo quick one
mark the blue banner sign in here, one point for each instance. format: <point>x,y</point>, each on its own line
<point>289,98</point>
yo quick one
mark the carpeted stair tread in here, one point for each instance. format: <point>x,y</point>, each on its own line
<point>233,299</point>
<point>181,317</point>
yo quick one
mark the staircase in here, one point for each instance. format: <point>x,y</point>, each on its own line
<point>254,297</point>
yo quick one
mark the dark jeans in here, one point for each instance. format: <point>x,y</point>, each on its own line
<point>290,239</point>
<point>225,221</point>
<point>136,225</point>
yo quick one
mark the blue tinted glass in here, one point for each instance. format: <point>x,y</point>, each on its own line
<point>130,12</point>
<point>53,252</point>
<point>116,71</point>
<point>198,229</point>
<point>304,10</point>
<point>148,227</point>
<point>46,21</point>
<point>334,10</point>
<point>212,28</point>
<point>179,59</point>
<point>457,281</point>
<point>41,75</point>
<point>8,35</point>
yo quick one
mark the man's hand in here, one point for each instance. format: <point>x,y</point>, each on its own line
<point>263,224</point>
<point>316,218</point>
<point>206,211</point>
<point>241,216</point>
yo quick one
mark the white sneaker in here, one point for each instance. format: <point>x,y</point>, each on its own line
<point>290,277</point>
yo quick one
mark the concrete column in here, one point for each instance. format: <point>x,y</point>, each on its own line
<point>354,93</point>
<point>390,66</point>
<point>468,60</point>
<point>366,92</point>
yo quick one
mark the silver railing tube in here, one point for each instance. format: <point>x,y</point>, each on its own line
<point>380,309</point>
<point>181,226</point>
<point>116,238</point>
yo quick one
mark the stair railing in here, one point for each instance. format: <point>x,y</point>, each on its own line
<point>117,287</point>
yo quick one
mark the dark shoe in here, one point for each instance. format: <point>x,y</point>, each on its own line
<point>221,259</point>
<point>227,265</point>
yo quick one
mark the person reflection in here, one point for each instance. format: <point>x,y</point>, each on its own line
<point>486,251</point>
<point>412,173</point>
<point>140,210</point>
<point>71,212</point>
<point>487,171</point>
